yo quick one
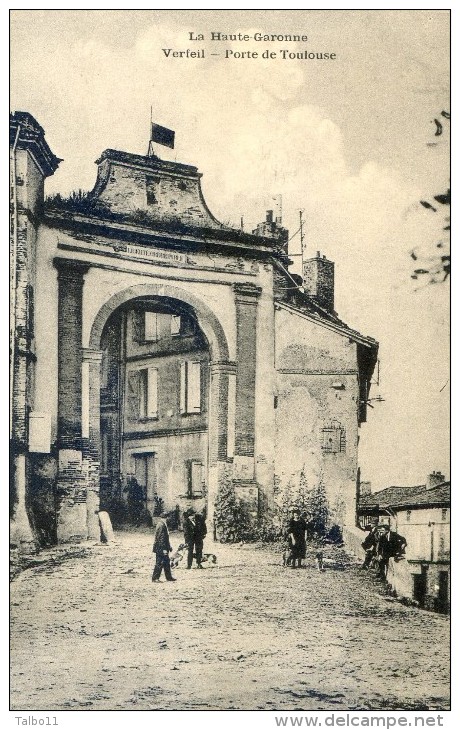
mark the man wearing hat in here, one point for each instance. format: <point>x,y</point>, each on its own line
<point>194,534</point>
<point>390,545</point>
<point>370,543</point>
<point>162,548</point>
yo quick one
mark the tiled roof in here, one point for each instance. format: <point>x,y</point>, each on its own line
<point>390,496</point>
<point>398,497</point>
<point>430,497</point>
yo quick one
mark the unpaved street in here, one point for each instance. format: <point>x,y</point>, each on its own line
<point>91,632</point>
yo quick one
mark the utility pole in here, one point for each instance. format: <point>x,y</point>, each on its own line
<point>302,236</point>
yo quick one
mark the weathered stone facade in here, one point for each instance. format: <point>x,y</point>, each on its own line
<point>172,349</point>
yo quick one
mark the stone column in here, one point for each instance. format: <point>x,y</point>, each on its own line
<point>72,477</point>
<point>217,428</point>
<point>246,298</point>
<point>91,434</point>
<point>218,409</point>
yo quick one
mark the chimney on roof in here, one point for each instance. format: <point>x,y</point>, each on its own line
<point>434,479</point>
<point>318,281</point>
<point>365,489</point>
<point>273,229</point>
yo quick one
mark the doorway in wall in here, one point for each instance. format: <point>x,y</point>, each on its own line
<point>420,586</point>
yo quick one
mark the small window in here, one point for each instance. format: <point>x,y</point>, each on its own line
<point>175,324</point>
<point>150,327</point>
<point>151,187</point>
<point>190,387</point>
<point>408,514</point>
<point>333,438</point>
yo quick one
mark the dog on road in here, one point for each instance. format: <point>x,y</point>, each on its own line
<point>181,551</point>
<point>319,560</point>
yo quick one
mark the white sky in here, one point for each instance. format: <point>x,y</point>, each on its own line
<point>346,141</point>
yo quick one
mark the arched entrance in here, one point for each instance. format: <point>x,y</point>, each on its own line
<point>154,408</point>
<point>160,416</point>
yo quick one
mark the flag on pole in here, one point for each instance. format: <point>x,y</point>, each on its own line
<point>163,136</point>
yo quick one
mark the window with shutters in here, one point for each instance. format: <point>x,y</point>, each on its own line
<point>195,478</point>
<point>142,394</point>
<point>137,320</point>
<point>190,387</point>
<point>145,326</point>
<point>333,439</point>
<point>150,326</point>
<point>175,325</point>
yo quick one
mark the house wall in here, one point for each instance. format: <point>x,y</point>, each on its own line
<point>427,533</point>
<point>317,386</point>
<point>265,387</point>
<point>428,550</point>
<point>171,454</point>
<point>26,200</point>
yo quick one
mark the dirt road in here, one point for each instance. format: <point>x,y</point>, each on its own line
<point>91,632</point>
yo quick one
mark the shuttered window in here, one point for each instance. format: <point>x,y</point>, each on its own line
<point>150,326</point>
<point>190,387</point>
<point>142,394</point>
<point>195,478</point>
<point>132,395</point>
<point>137,319</point>
<point>175,324</point>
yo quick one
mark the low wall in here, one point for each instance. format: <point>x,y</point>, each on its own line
<point>399,576</point>
<point>352,538</point>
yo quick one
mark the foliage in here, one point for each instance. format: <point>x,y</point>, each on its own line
<point>85,203</point>
<point>116,508</point>
<point>173,518</point>
<point>436,268</point>
<point>234,522</point>
<point>295,497</point>
<point>79,201</point>
<point>335,534</point>
<point>231,518</point>
<point>319,508</point>
<point>158,505</point>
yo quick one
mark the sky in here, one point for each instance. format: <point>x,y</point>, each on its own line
<point>347,141</point>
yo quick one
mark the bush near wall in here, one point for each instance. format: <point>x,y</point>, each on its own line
<point>233,521</point>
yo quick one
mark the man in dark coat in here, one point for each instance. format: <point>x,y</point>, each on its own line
<point>296,539</point>
<point>390,545</point>
<point>162,548</point>
<point>194,534</point>
<point>369,544</point>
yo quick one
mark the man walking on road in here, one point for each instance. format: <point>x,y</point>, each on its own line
<point>194,534</point>
<point>162,548</point>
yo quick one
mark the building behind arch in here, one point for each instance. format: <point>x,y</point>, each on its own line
<point>154,346</point>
